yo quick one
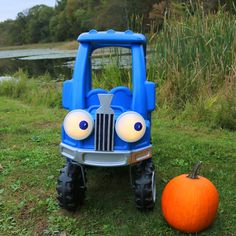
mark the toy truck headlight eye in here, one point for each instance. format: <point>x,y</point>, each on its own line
<point>78,124</point>
<point>130,126</point>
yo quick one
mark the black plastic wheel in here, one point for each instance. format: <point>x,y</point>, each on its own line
<point>145,185</point>
<point>71,187</point>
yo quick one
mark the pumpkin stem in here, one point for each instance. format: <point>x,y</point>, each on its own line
<point>195,171</point>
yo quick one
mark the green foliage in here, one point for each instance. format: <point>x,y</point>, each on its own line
<point>192,60</point>
<point>71,17</point>
<point>119,77</point>
<point>37,91</point>
<point>194,64</point>
<point>31,26</point>
<point>38,19</point>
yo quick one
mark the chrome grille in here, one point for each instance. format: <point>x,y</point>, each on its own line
<point>104,132</point>
<point>104,124</point>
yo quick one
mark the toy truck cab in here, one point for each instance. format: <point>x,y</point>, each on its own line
<point>107,128</point>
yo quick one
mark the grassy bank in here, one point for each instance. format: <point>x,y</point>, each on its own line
<point>30,163</point>
<point>36,91</point>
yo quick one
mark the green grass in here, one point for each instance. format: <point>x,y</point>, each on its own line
<point>30,163</point>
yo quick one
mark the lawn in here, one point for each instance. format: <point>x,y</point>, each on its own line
<point>30,164</point>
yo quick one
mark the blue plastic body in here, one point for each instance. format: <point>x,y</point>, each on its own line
<point>78,92</point>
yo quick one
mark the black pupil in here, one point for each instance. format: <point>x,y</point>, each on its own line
<point>83,125</point>
<point>138,126</point>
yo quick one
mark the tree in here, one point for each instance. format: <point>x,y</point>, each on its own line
<point>59,27</point>
<point>38,19</point>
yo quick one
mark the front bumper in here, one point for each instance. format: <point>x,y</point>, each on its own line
<point>99,158</point>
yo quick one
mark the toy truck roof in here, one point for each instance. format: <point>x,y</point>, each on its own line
<point>112,37</point>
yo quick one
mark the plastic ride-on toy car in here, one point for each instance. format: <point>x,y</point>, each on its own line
<point>107,128</point>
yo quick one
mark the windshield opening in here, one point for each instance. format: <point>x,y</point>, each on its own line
<point>111,67</point>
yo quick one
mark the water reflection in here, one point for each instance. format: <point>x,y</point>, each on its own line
<point>58,63</point>
<point>36,67</point>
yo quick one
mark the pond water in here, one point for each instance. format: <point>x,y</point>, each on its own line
<point>37,62</point>
<point>58,63</point>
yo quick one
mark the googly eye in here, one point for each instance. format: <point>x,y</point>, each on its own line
<point>130,126</point>
<point>78,124</point>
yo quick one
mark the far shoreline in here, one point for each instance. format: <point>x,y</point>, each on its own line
<point>66,45</point>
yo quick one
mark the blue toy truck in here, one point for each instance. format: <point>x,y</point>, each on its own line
<point>107,128</point>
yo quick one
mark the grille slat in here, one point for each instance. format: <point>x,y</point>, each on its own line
<point>103,132</point>
<point>97,135</point>
<point>111,136</point>
<point>108,133</point>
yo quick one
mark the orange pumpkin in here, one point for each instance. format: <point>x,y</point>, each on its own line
<point>190,202</point>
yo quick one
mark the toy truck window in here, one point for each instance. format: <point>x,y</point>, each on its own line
<point>111,67</point>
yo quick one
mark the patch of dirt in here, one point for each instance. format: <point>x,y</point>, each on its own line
<point>40,226</point>
<point>44,124</point>
<point>25,212</point>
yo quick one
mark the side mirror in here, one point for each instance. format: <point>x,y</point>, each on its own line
<point>151,95</point>
<point>67,94</point>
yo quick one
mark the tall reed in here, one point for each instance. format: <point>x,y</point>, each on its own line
<point>194,63</point>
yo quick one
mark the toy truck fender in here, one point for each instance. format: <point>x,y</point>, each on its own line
<point>67,93</point>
